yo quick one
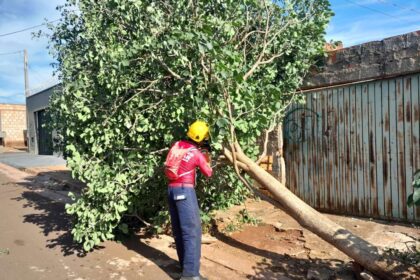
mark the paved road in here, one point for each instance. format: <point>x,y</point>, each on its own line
<point>35,232</point>
<point>23,160</point>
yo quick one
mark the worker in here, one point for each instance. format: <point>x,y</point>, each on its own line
<point>180,169</point>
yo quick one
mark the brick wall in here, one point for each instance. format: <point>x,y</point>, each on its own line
<point>13,124</point>
<point>389,57</point>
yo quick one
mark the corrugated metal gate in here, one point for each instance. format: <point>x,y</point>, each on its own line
<point>354,149</point>
<point>45,145</point>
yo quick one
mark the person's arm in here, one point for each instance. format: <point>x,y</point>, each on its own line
<point>203,165</point>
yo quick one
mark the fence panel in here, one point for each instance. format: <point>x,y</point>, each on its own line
<point>358,148</point>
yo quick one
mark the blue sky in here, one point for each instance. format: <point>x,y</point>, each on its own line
<point>355,22</point>
<point>359,21</point>
<point>17,15</point>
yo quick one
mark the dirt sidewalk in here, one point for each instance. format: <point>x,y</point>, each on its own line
<point>36,232</point>
<point>279,246</point>
<point>35,243</point>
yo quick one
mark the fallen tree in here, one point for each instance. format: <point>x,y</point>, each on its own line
<point>355,247</point>
<point>135,73</point>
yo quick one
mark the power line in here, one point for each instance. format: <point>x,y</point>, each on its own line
<point>38,77</point>
<point>400,6</point>
<point>28,28</point>
<point>373,10</point>
<point>7,53</point>
<point>42,86</point>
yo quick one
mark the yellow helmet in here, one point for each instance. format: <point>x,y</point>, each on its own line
<point>198,131</point>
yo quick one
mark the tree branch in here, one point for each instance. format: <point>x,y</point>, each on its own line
<point>177,76</point>
<point>271,59</point>
<point>229,156</point>
<point>139,218</point>
<point>246,37</point>
<point>139,91</point>
<point>267,30</point>
<point>250,111</point>
<point>267,136</point>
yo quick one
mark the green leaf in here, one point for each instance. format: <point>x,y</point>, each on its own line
<point>87,246</point>
<point>416,175</point>
<point>410,200</point>
<point>217,146</point>
<point>123,228</point>
<point>222,122</point>
<point>416,196</point>
<point>125,62</point>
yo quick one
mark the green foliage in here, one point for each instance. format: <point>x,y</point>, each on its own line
<point>207,221</point>
<point>414,198</point>
<point>247,218</point>
<point>135,73</point>
<point>231,227</point>
<point>241,219</point>
<point>160,222</point>
<point>4,251</point>
<point>410,256</point>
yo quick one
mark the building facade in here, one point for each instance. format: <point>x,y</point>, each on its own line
<point>40,136</point>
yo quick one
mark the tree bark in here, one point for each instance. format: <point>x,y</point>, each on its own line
<point>355,247</point>
<point>280,155</point>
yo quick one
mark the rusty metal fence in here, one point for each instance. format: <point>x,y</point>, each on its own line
<point>354,149</point>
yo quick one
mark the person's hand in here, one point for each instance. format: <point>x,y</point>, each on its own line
<point>207,156</point>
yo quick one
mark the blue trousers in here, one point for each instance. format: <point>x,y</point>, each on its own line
<point>186,228</point>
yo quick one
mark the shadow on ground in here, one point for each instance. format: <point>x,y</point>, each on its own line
<point>62,178</point>
<point>52,219</point>
<point>273,265</point>
<point>55,223</point>
<point>161,259</point>
<point>277,265</point>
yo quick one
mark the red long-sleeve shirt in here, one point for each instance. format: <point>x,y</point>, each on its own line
<point>190,161</point>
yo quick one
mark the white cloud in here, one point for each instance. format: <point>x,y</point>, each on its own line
<point>353,30</point>
<point>359,36</point>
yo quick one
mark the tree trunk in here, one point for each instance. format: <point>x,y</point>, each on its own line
<point>360,250</point>
<point>280,155</point>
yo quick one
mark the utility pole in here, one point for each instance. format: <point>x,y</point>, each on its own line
<point>25,67</point>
